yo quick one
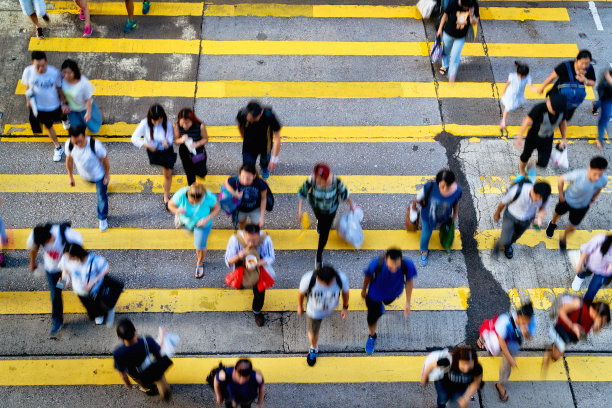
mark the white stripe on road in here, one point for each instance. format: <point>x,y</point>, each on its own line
<point>595,14</point>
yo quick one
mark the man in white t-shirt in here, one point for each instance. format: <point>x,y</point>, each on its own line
<point>322,289</point>
<point>51,240</point>
<point>91,160</point>
<point>44,97</point>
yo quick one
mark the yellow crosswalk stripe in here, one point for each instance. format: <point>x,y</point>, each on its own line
<point>499,185</point>
<point>112,8</point>
<point>345,90</point>
<point>532,238</point>
<point>137,183</point>
<point>137,238</point>
<point>305,134</point>
<point>522,14</point>
<point>543,298</point>
<point>366,369</point>
<point>221,300</point>
<point>164,46</point>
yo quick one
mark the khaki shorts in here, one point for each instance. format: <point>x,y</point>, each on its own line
<point>314,325</point>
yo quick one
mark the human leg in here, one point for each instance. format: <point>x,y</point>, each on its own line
<point>597,282</point>
<point>57,306</point>
<point>258,299</point>
<point>375,310</point>
<point>324,224</point>
<point>447,45</point>
<point>530,145</point>
<point>544,148</point>
<point>102,196</point>
<point>504,373</point>
<point>576,215</point>
<point>443,395</point>
<point>604,120</point>
<point>455,58</point>
<point>248,157</point>
<point>426,231</point>
<point>163,388</point>
<point>314,326</point>
<point>167,173</point>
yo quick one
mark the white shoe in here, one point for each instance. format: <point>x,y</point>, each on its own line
<point>577,284</point>
<point>99,320</point>
<point>110,317</point>
<point>57,153</point>
<point>103,225</point>
<point>66,124</point>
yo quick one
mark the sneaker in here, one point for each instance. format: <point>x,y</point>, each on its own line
<point>423,259</point>
<point>509,252</point>
<point>57,153</point>
<point>369,347</point>
<point>82,15</point>
<point>265,173</point>
<point>40,33</point>
<point>550,230</point>
<point>103,225</point>
<point>46,18</point>
<point>66,124</point>
<point>577,283</point>
<point>99,320</point>
<point>87,31</point>
<point>129,26</point>
<point>146,5</point>
<point>2,262</point>
<point>55,328</point>
<point>311,359</point>
<point>563,246</point>
<point>259,319</point>
<point>110,318</point>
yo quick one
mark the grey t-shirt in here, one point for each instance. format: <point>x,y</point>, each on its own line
<point>580,191</point>
<point>523,208</point>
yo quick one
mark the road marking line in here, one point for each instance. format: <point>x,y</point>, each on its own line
<point>137,183</point>
<point>522,14</point>
<point>116,132</point>
<point>111,8</point>
<point>344,90</point>
<point>589,368</point>
<point>500,185</point>
<point>221,300</point>
<point>595,14</point>
<point>543,298</point>
<point>532,238</point>
<point>290,48</point>
<point>366,369</point>
<point>288,239</point>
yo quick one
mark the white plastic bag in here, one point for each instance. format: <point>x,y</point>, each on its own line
<point>349,227</point>
<point>438,372</point>
<point>171,340</point>
<point>559,157</point>
<point>426,7</point>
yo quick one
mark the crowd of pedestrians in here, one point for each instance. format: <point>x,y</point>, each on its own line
<point>66,96</point>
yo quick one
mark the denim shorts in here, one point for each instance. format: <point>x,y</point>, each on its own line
<point>253,215</point>
<point>78,118</point>
<point>200,236</point>
<point>30,7</point>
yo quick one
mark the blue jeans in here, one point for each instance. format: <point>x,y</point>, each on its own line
<point>604,118</point>
<point>426,230</point>
<point>102,196</point>
<point>451,53</point>
<point>3,236</point>
<point>78,118</point>
<point>444,396</point>
<point>597,282</point>
<point>57,306</point>
<point>264,159</point>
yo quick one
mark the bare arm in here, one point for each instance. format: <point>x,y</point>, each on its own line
<point>106,165</point>
<point>203,136</point>
<point>69,168</point>
<point>500,208</point>
<point>126,380</point>
<point>262,207</point>
<point>442,22</point>
<point>366,282</point>
<point>33,255</point>
<point>551,78</point>
<point>563,131</point>
<point>300,206</point>
<point>581,261</point>
<point>178,139</point>
<point>524,126</point>
<point>465,398</point>
<point>300,309</point>
<point>345,302</point>
<point>504,349</point>
<point>595,196</point>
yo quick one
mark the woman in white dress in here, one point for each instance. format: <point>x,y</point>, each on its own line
<point>514,92</point>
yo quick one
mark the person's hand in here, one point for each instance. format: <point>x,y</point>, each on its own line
<point>407,310</point>
<point>261,262</point>
<point>202,222</point>
<point>165,144</point>
<point>300,310</point>
<point>33,266</point>
<point>364,293</point>
<point>539,221</point>
<point>576,330</point>
<point>238,194</point>
<point>343,313</point>
<point>261,222</point>
<point>28,104</point>
<point>580,77</point>
<point>462,402</point>
<point>260,404</point>
<point>106,179</point>
<point>496,217</point>
<point>518,142</point>
<point>65,109</point>
<point>599,145</point>
<point>87,117</point>
<point>512,363</point>
<point>561,197</point>
<point>242,253</point>
<point>439,33</point>
<point>149,147</point>
<point>271,166</point>
<point>563,143</point>
<point>540,90</point>
<point>71,180</point>
<point>424,381</point>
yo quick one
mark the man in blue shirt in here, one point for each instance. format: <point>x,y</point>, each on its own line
<point>385,280</point>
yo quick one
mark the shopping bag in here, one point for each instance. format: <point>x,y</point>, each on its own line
<point>426,7</point>
<point>489,336</point>
<point>559,157</point>
<point>228,203</point>
<point>349,227</point>
<point>234,278</point>
<point>109,293</point>
<point>436,50</point>
<point>266,278</point>
<point>447,235</point>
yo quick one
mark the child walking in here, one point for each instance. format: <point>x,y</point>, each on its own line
<point>514,92</point>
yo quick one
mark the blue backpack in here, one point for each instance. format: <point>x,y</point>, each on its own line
<point>574,91</point>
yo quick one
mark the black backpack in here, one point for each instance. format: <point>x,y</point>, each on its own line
<point>269,199</point>
<point>210,378</point>
<point>380,264</point>
<point>313,280</point>
<point>62,230</point>
<point>519,188</point>
<point>92,145</point>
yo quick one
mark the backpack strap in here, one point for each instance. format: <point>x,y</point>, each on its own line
<point>517,332</point>
<point>313,280</point>
<point>519,189</point>
<point>569,72</point>
<point>92,144</point>
<point>242,242</point>
<point>427,193</point>
<point>62,231</point>
<point>379,267</point>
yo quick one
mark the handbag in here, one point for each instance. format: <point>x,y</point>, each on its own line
<point>436,50</point>
<point>109,293</point>
<point>413,217</point>
<point>152,369</point>
<point>573,90</point>
<point>234,278</point>
<point>447,235</point>
<point>266,278</point>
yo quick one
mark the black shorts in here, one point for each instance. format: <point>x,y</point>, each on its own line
<point>542,145</point>
<point>49,118</point>
<point>165,158</point>
<point>375,309</point>
<point>575,214</point>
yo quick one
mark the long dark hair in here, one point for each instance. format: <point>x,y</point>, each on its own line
<point>187,113</point>
<point>605,247</point>
<point>155,112</point>
<point>73,66</point>
<point>465,353</point>
<point>76,251</point>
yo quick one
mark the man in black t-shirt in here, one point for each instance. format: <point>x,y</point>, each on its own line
<point>260,131</point>
<point>130,357</point>
<point>543,118</point>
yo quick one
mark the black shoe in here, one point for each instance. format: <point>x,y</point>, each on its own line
<point>563,246</point>
<point>259,319</point>
<point>550,230</point>
<point>46,18</point>
<point>509,252</point>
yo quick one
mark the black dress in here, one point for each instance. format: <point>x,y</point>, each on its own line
<point>194,165</point>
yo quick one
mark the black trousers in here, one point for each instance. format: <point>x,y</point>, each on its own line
<point>258,299</point>
<point>324,224</point>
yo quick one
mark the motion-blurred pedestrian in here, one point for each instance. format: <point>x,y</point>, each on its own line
<point>130,25</point>
<point>84,15</point>
<point>35,9</point>
<point>604,92</point>
<point>191,136</point>
<point>513,96</point>
<point>78,91</point>
<point>596,260</point>
<point>3,240</point>
<point>239,386</point>
<point>252,192</point>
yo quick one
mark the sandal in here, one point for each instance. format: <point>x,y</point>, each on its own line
<point>594,111</point>
<point>502,397</point>
<point>443,70</point>
<point>199,275</point>
<point>480,343</point>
